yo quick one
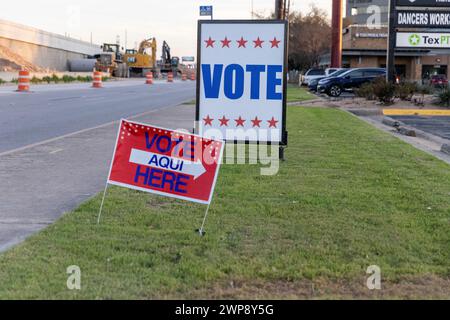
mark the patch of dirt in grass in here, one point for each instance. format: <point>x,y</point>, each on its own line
<point>427,287</point>
<point>159,202</point>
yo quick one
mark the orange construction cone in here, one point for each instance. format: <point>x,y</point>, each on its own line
<point>24,81</point>
<point>170,77</point>
<point>149,77</point>
<point>97,81</point>
<point>183,76</point>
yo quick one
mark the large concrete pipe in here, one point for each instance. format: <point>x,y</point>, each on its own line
<point>82,65</point>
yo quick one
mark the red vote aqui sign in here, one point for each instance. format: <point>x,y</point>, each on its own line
<point>166,162</point>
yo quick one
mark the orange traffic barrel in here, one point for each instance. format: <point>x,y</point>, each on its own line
<point>170,77</point>
<point>149,77</point>
<point>24,81</point>
<point>183,76</point>
<point>193,76</point>
<point>97,81</point>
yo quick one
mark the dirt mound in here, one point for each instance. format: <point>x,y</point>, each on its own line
<point>10,61</point>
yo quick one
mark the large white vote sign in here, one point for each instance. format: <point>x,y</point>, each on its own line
<point>241,90</point>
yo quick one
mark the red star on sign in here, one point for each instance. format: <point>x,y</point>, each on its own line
<point>242,42</point>
<point>208,121</point>
<point>273,123</point>
<point>224,122</point>
<point>240,122</point>
<point>256,123</point>
<point>225,43</point>
<point>258,43</point>
<point>210,42</point>
<point>275,42</point>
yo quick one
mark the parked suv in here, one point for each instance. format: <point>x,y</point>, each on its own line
<point>353,78</point>
<point>312,86</point>
<point>312,74</point>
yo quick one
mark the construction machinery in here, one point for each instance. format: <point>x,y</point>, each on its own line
<point>168,63</point>
<point>143,60</point>
<point>111,60</point>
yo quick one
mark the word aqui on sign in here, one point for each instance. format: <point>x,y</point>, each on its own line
<point>165,162</point>
<point>242,84</point>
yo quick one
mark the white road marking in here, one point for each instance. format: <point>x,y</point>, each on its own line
<point>56,151</point>
<point>83,131</point>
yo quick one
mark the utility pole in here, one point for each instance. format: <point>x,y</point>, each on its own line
<point>392,35</point>
<point>279,9</point>
<point>336,34</point>
<point>253,15</point>
<point>286,9</point>
<point>126,39</point>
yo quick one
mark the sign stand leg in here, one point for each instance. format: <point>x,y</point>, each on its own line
<point>101,206</point>
<point>281,153</point>
<point>202,231</point>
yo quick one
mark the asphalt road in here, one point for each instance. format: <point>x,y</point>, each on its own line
<point>53,111</point>
<point>56,145</point>
<point>437,125</point>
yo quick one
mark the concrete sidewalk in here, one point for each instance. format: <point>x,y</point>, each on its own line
<point>41,182</point>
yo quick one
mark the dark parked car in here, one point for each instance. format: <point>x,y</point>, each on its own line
<point>353,78</point>
<point>313,83</point>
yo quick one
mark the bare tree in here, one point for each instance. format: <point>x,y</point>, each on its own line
<point>309,38</point>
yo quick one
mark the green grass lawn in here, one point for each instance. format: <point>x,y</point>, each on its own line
<point>296,93</point>
<point>348,196</point>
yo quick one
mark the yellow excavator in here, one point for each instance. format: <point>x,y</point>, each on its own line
<point>143,60</point>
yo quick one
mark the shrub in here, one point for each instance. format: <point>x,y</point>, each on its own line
<point>405,90</point>
<point>444,97</point>
<point>383,90</point>
<point>55,78</point>
<point>365,91</point>
<point>35,80</point>
<point>84,79</point>
<point>424,89</point>
<point>47,79</point>
<point>2,81</point>
<point>14,80</point>
<point>67,78</point>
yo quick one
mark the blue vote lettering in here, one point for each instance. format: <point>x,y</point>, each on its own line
<point>233,77</point>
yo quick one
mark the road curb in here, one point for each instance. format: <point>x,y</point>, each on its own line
<point>416,112</point>
<point>413,132</point>
<point>392,122</point>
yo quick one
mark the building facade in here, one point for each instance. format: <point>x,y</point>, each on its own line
<point>365,45</point>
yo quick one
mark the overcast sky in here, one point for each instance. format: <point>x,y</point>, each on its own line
<point>170,20</point>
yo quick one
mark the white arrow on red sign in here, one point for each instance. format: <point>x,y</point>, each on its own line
<point>195,169</point>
